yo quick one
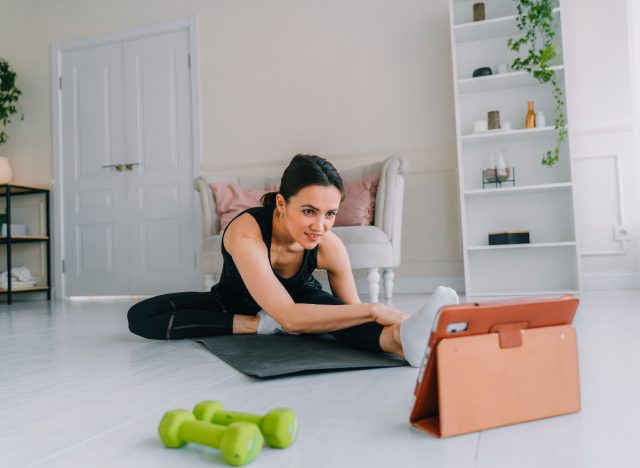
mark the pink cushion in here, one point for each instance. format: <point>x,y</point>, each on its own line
<point>231,199</point>
<point>357,209</point>
<point>359,205</point>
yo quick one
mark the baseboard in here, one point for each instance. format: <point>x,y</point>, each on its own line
<point>611,280</point>
<point>414,285</point>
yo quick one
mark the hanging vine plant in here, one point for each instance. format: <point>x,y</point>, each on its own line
<point>535,21</point>
<point>9,95</point>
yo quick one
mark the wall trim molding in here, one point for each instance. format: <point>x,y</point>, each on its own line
<point>620,198</point>
<point>410,285</point>
<point>589,130</point>
<point>377,155</point>
<point>428,284</point>
<point>610,281</point>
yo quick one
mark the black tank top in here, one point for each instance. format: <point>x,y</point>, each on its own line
<point>231,289</point>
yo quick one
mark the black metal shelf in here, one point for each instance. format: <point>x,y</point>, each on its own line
<point>25,290</point>
<point>23,239</point>
<point>8,191</point>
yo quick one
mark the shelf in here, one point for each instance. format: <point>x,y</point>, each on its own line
<point>8,191</point>
<point>492,136</point>
<point>488,29</point>
<point>22,189</point>
<point>521,246</point>
<point>516,190</point>
<point>503,81</point>
<point>24,239</point>
<point>25,290</point>
<point>542,201</point>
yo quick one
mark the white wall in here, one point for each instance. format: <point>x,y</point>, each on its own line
<point>605,162</point>
<point>352,80</point>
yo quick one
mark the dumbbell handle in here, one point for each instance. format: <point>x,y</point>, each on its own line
<point>203,433</point>
<point>228,417</point>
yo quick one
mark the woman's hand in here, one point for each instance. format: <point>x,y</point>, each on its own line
<point>385,315</point>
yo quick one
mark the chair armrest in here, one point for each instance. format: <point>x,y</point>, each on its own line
<point>390,199</point>
<point>210,221</point>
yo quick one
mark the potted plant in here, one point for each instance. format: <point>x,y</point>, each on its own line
<point>9,95</point>
<point>535,21</point>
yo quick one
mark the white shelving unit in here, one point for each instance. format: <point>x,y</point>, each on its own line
<point>541,199</point>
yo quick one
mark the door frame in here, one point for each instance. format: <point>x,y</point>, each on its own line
<point>189,24</point>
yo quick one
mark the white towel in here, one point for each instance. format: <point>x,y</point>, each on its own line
<point>17,273</point>
<point>15,285</point>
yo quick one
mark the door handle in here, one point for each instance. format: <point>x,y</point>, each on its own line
<point>122,166</point>
<point>117,167</point>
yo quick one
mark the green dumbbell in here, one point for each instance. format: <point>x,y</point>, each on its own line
<point>240,443</point>
<point>279,426</point>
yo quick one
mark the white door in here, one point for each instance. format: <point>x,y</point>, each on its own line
<point>160,190</point>
<point>94,198</point>
<point>128,231</point>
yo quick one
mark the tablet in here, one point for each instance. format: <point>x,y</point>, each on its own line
<point>506,317</point>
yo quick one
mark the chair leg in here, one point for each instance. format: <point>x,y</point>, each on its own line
<point>388,276</point>
<point>209,281</point>
<point>373,278</point>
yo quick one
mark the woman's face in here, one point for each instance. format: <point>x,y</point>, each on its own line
<point>310,213</point>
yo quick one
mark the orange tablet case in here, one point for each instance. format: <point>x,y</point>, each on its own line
<point>517,361</point>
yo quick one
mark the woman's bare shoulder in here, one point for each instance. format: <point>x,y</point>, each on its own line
<point>243,227</point>
<point>330,250</point>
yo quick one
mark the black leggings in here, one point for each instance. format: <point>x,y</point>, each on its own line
<point>197,314</point>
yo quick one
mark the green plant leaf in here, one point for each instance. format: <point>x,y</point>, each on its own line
<point>9,95</point>
<point>535,21</point>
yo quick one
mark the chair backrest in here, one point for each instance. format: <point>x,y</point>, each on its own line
<point>210,220</point>
<point>389,198</point>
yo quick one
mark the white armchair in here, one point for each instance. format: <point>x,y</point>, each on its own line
<point>370,247</point>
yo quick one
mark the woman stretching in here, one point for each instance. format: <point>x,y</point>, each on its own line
<point>266,285</point>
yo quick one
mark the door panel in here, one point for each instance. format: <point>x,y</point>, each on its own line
<point>94,249</point>
<point>159,253</point>
<point>94,197</point>
<point>161,228</point>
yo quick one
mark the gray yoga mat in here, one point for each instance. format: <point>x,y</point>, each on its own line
<point>276,355</point>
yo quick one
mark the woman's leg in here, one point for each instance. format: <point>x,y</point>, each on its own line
<point>415,331</point>
<point>182,315</point>
<point>365,336</point>
<point>408,339</point>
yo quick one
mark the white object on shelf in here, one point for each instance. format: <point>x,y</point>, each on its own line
<point>17,285</point>
<point>541,121</point>
<point>16,230</point>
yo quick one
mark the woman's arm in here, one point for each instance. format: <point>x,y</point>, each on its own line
<point>244,242</point>
<point>333,257</point>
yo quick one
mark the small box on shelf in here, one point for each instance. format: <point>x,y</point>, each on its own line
<point>513,237</point>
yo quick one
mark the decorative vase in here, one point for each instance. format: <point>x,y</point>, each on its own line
<point>478,12</point>
<point>494,119</point>
<point>482,71</point>
<point>541,120</point>
<point>5,171</point>
<point>530,119</point>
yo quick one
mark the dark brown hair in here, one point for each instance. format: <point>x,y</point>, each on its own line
<point>305,170</point>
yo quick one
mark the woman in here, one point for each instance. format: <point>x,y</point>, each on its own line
<point>266,285</point>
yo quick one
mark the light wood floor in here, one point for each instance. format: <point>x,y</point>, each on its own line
<point>77,389</point>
